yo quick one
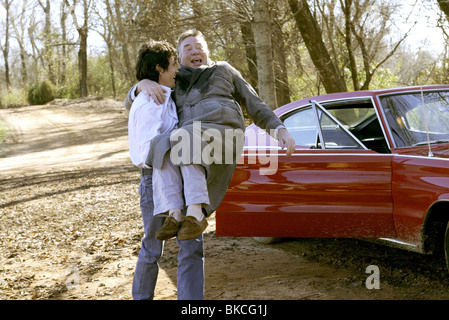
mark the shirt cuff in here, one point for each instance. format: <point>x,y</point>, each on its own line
<point>281,126</point>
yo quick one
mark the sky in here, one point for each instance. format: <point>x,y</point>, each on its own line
<point>425,34</point>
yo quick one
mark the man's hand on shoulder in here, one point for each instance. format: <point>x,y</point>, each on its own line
<point>151,89</point>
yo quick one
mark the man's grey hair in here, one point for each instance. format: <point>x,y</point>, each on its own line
<point>189,33</point>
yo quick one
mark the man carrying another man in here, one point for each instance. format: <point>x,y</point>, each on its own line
<point>209,93</point>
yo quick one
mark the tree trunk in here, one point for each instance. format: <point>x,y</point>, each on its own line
<point>110,46</point>
<point>311,34</point>
<point>24,72</point>
<point>112,72</point>
<point>5,48</point>
<point>280,67</point>
<point>123,42</point>
<point>82,61</point>
<point>444,6</point>
<point>251,57</point>
<point>82,53</point>
<point>19,30</point>
<point>48,50</point>
<point>63,71</point>
<point>262,39</point>
<point>37,56</point>
<point>348,41</point>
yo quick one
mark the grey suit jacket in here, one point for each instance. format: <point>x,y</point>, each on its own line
<point>209,101</point>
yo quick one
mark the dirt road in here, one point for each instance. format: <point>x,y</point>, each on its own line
<point>71,226</point>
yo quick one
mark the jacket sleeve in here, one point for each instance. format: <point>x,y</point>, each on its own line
<point>256,108</point>
<point>131,96</point>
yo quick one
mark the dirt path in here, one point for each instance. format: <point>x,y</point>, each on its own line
<point>71,226</point>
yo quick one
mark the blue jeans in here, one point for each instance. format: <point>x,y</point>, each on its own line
<point>190,276</point>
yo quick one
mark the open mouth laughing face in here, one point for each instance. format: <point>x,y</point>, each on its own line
<point>167,77</point>
<point>194,52</point>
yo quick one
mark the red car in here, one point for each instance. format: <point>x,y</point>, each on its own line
<point>367,164</point>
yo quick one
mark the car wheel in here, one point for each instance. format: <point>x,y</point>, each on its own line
<point>267,240</point>
<point>446,245</point>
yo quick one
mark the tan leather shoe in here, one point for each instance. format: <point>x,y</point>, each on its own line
<point>191,228</point>
<point>169,229</point>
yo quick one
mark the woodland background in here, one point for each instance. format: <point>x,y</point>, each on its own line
<point>287,49</point>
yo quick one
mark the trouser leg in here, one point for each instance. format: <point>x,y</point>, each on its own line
<point>191,269</point>
<point>167,187</point>
<point>191,252</point>
<point>147,268</point>
<point>195,186</point>
<point>170,181</point>
<point>190,277</point>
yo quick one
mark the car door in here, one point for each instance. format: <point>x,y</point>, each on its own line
<point>332,186</point>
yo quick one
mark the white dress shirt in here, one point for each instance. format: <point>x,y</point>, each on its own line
<point>147,120</point>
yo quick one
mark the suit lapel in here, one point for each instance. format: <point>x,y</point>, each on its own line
<point>188,78</point>
<point>206,70</point>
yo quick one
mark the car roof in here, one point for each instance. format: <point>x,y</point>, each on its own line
<point>355,94</point>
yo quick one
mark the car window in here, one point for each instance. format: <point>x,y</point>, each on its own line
<point>333,134</point>
<point>303,126</point>
<point>437,122</point>
<point>361,120</point>
<point>415,118</point>
<point>353,116</point>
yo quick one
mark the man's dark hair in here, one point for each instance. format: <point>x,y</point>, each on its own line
<point>150,55</point>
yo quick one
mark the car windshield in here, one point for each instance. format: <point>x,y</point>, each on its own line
<point>415,118</point>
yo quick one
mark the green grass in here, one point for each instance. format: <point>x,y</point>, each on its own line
<point>3,131</point>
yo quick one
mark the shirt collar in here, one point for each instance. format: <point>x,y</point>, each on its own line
<point>168,90</point>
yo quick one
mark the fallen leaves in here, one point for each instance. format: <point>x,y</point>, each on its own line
<point>64,221</point>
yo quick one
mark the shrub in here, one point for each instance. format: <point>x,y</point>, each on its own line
<point>13,98</point>
<point>2,132</point>
<point>41,93</point>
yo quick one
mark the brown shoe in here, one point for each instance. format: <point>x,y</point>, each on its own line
<point>191,228</point>
<point>169,229</point>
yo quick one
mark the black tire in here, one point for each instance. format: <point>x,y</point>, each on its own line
<point>446,245</point>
